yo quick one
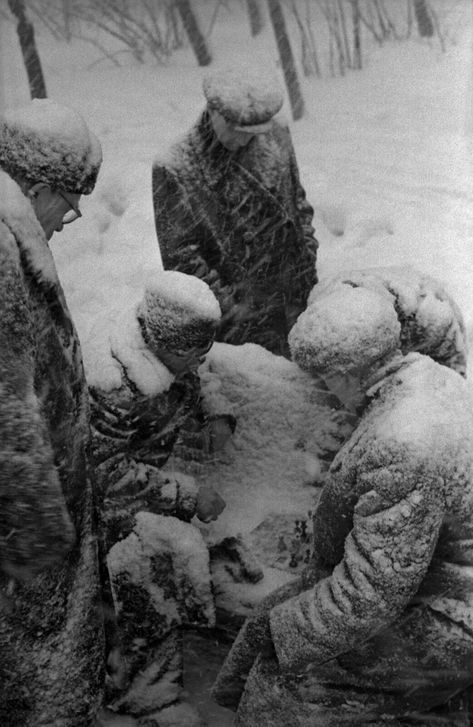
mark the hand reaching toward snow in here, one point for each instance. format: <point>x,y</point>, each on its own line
<point>209,504</point>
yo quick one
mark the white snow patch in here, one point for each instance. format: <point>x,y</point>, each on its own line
<point>142,367</point>
<point>282,425</point>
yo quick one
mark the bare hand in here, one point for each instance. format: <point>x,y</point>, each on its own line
<point>209,504</point>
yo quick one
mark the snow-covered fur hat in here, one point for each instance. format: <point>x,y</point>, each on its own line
<point>179,312</point>
<point>245,97</point>
<point>47,142</point>
<point>431,321</point>
<point>343,329</point>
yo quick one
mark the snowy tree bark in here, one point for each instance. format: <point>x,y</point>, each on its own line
<point>424,19</point>
<point>306,55</point>
<point>29,51</point>
<point>255,16</point>
<point>356,34</point>
<point>194,33</point>
<point>287,59</point>
<point>346,44</point>
<point>66,11</point>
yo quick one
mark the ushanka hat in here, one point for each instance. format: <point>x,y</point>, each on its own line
<point>179,312</point>
<point>345,328</point>
<point>246,98</point>
<point>47,142</point>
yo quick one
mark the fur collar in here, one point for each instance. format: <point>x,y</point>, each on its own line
<point>17,213</point>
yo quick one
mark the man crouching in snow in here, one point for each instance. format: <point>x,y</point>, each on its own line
<point>380,629</point>
<point>51,644</point>
<point>156,560</point>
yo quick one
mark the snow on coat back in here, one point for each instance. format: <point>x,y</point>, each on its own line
<point>411,420</point>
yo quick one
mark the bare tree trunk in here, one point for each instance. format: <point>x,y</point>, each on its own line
<point>196,39</point>
<point>382,25</point>
<point>29,51</point>
<point>2,67</point>
<point>355,6</point>
<point>331,54</point>
<point>255,16</point>
<point>438,30</point>
<point>312,44</point>
<point>409,19</point>
<point>424,19</point>
<point>306,55</point>
<point>66,11</point>
<point>341,13</point>
<point>173,20</point>
<point>342,61</point>
<point>287,59</point>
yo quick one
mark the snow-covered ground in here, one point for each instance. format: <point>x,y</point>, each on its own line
<point>385,155</point>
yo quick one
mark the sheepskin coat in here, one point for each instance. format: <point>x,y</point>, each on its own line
<point>386,632</point>
<point>50,613</point>
<point>241,222</point>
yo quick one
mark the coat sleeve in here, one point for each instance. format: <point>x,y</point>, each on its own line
<point>35,528</point>
<point>386,555</point>
<point>183,240</point>
<point>304,209</point>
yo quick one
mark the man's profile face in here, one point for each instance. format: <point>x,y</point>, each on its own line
<point>227,135</point>
<point>347,387</point>
<point>181,362</point>
<point>51,207</point>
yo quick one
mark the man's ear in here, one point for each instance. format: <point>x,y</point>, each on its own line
<point>36,189</point>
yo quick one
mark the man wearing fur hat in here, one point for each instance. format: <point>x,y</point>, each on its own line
<point>230,208</point>
<point>156,559</point>
<point>379,630</point>
<point>50,626</point>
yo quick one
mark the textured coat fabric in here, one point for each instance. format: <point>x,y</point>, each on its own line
<point>50,623</point>
<point>388,632</point>
<point>148,542</point>
<point>128,425</point>
<point>241,222</point>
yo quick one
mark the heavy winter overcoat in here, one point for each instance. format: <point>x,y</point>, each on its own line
<point>149,556</point>
<point>241,222</point>
<point>50,623</point>
<point>387,630</point>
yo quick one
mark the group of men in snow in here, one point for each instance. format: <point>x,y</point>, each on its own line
<point>100,565</point>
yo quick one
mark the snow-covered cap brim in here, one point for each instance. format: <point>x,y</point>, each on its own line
<point>245,97</point>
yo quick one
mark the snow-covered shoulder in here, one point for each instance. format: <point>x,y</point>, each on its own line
<point>425,408</point>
